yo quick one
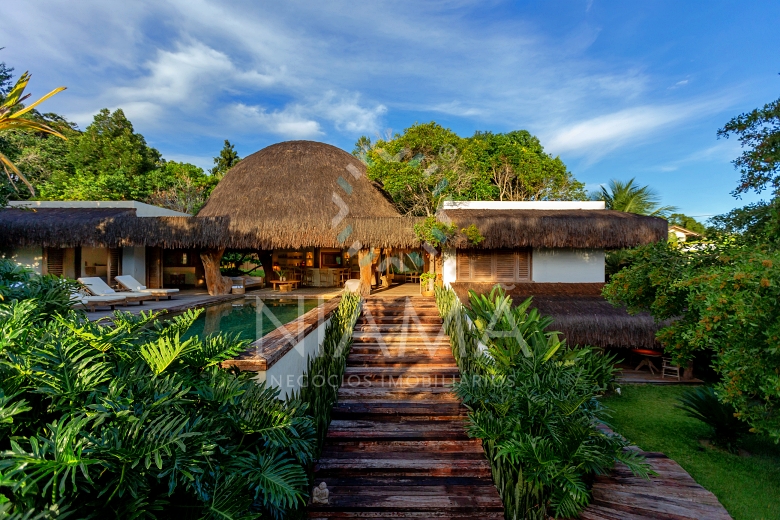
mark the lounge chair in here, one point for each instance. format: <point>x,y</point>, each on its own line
<point>131,284</point>
<point>92,302</point>
<point>100,288</point>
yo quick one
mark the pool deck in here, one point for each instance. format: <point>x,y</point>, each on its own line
<point>190,298</point>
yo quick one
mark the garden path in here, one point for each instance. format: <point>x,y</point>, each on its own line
<point>397,446</point>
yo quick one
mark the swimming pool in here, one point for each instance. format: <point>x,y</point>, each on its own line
<point>250,319</point>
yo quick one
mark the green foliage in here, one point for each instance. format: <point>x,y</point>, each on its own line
<point>428,164</point>
<point>724,298</point>
<point>232,263</point>
<point>517,167</point>
<point>631,198</point>
<point>52,294</point>
<point>755,223</point>
<point>325,371</point>
<point>472,234</point>
<point>109,161</point>
<point>702,403</point>
<point>682,220</point>
<point>128,421</point>
<point>747,486</point>
<point>6,77</point>
<point>434,232</point>
<point>180,187</point>
<point>533,403</point>
<point>227,158</point>
<point>759,132</point>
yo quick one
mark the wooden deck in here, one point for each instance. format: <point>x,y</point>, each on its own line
<point>672,495</point>
<point>397,446</point>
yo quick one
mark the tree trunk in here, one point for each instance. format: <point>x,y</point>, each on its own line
<point>266,258</point>
<point>215,282</point>
<point>366,271</point>
<point>688,372</point>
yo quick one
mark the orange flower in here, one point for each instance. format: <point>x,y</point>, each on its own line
<point>767,263</point>
<point>764,282</point>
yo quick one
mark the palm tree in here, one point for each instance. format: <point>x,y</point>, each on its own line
<point>630,198</point>
<point>10,120</point>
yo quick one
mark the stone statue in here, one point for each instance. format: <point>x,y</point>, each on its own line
<point>320,494</point>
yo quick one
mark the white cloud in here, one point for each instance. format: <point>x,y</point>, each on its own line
<point>346,113</point>
<point>599,135</point>
<point>290,122</point>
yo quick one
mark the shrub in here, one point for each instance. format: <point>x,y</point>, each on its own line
<point>532,401</point>
<point>723,298</point>
<point>130,421</point>
<point>703,404</point>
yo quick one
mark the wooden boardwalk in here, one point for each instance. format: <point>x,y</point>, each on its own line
<point>397,445</point>
<point>672,495</point>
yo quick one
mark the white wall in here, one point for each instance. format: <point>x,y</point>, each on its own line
<point>524,204</point>
<point>134,263</point>
<point>287,373</point>
<point>31,257</point>
<point>449,266</point>
<point>568,265</point>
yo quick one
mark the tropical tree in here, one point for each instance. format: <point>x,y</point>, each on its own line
<point>11,118</point>
<point>629,197</point>
<point>519,169</point>
<point>683,220</point>
<point>759,132</point>
<point>227,158</point>
<point>427,164</point>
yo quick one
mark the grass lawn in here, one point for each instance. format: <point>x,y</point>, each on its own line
<point>748,487</point>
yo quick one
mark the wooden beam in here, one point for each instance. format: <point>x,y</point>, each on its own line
<point>366,270</point>
<point>215,282</point>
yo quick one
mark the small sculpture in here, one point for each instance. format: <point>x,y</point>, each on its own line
<point>320,494</point>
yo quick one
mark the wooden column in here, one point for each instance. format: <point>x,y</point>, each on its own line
<point>216,283</point>
<point>366,268</point>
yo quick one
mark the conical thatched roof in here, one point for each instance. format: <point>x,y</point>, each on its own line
<point>304,193</point>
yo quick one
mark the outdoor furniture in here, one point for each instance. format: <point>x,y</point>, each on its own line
<point>253,281</point>
<point>92,302</point>
<point>647,355</point>
<point>292,283</point>
<point>668,367</point>
<point>98,287</point>
<point>308,277</point>
<point>131,284</point>
<point>237,285</point>
<point>352,286</point>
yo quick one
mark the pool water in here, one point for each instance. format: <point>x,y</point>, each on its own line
<point>251,319</point>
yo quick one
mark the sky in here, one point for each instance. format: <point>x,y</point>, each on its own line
<point>616,89</point>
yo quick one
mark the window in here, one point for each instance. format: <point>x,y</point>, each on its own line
<point>502,265</point>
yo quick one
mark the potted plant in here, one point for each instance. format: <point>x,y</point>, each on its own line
<point>426,283</point>
<point>282,275</point>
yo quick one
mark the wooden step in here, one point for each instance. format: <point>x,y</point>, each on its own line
<point>397,445</point>
<point>381,360</point>
<point>398,394</point>
<point>395,318</point>
<point>367,409</point>
<point>397,430</point>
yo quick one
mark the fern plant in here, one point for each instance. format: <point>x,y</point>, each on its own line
<point>702,403</point>
<point>532,402</point>
<point>129,421</point>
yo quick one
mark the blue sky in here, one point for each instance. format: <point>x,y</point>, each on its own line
<point>617,89</point>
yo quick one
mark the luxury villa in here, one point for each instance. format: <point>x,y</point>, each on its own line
<point>308,209</point>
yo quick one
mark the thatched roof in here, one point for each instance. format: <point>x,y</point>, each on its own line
<point>576,228</point>
<point>579,313</point>
<point>61,227</point>
<point>298,194</point>
<point>71,227</point>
